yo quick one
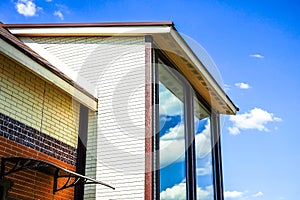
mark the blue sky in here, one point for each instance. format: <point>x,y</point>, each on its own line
<point>255,45</point>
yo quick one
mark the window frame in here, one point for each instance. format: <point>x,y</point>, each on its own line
<point>190,154</point>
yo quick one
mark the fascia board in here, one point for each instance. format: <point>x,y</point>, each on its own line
<point>81,31</point>
<point>221,94</point>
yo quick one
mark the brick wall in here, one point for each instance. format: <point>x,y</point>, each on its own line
<point>36,103</point>
<point>29,184</point>
<point>37,120</point>
<point>25,135</point>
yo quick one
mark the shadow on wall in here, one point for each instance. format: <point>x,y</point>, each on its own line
<point>5,185</point>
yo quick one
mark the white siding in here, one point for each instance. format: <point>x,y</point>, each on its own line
<point>115,66</point>
<point>91,161</point>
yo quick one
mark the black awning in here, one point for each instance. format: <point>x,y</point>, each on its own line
<point>70,178</point>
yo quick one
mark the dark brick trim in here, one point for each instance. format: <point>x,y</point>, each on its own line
<point>20,133</point>
<point>148,119</point>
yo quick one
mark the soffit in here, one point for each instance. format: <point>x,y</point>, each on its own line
<point>165,37</point>
<point>174,47</point>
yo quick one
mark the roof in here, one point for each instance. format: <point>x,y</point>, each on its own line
<point>12,40</point>
<point>164,35</point>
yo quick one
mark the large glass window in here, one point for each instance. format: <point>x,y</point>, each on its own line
<point>171,136</point>
<point>184,141</point>
<point>203,152</point>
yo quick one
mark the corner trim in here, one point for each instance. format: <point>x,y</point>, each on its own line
<point>148,119</point>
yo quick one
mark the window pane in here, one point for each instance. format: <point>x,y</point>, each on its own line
<point>171,137</point>
<point>203,155</point>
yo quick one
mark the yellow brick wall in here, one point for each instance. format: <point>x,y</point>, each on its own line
<point>37,103</point>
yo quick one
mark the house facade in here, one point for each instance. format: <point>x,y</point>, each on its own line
<point>117,110</point>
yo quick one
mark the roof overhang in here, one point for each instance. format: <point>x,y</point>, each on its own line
<point>183,57</point>
<point>96,29</point>
<point>77,93</point>
<point>165,37</point>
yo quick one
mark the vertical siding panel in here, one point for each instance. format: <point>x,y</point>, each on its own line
<point>121,120</point>
<point>115,66</point>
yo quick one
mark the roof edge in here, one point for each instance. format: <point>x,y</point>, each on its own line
<point>102,24</point>
<point>212,81</point>
<point>14,51</point>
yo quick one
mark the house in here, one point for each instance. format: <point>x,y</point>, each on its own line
<point>118,110</point>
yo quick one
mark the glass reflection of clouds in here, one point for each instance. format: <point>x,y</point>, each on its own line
<point>172,141</point>
<point>172,138</point>
<point>203,153</point>
<point>204,160</point>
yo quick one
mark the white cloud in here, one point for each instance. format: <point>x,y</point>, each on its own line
<point>277,119</point>
<point>255,119</point>
<point>242,85</point>
<point>27,8</point>
<point>238,195</point>
<point>175,133</point>
<point>62,10</point>
<point>168,103</point>
<point>257,55</point>
<point>178,191</point>
<point>206,169</point>
<point>206,193</point>
<point>172,145</point>
<point>59,14</point>
<point>259,194</point>
<point>233,194</point>
<point>227,87</point>
<point>203,142</point>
